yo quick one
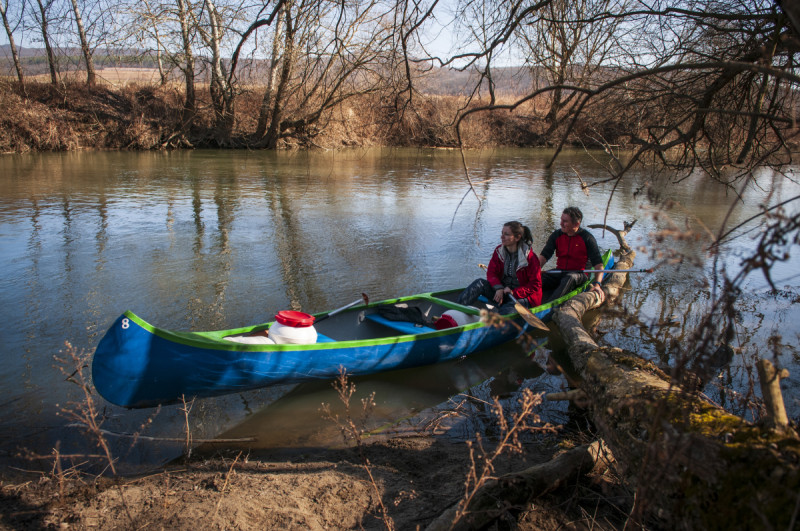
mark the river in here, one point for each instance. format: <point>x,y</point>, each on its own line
<point>202,240</point>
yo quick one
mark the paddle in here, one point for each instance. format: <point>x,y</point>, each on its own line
<point>528,316</point>
<point>599,271</point>
<point>364,298</point>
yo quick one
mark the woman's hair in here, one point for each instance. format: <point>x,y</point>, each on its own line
<point>574,214</point>
<point>518,229</point>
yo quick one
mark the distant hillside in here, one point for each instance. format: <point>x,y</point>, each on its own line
<point>439,81</point>
<point>34,60</point>
<point>508,80</point>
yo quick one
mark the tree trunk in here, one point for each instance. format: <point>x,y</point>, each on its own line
<point>693,464</point>
<point>91,77</point>
<point>273,133</point>
<point>190,103</point>
<point>14,52</point>
<point>265,112</point>
<point>162,75</point>
<point>51,58</point>
<point>222,95</point>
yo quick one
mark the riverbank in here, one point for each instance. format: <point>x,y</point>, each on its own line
<point>415,478</point>
<point>142,116</point>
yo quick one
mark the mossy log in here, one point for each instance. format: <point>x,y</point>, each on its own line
<point>693,465</point>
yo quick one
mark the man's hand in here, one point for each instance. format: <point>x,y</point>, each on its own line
<point>599,290</point>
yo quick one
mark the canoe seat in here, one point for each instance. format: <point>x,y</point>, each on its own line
<point>404,327</point>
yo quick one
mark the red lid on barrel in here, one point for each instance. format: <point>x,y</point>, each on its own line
<point>295,319</point>
<point>445,321</point>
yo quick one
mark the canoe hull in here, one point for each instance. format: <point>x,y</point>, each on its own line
<point>133,366</point>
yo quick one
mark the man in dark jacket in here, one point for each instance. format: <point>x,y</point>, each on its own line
<point>574,248</point>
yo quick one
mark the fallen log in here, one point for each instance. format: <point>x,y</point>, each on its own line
<point>515,489</point>
<point>692,464</point>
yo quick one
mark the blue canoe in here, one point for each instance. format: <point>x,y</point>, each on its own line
<point>139,365</point>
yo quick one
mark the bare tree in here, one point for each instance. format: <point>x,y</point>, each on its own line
<point>151,26</point>
<point>168,30</point>
<point>12,45</point>
<point>276,95</point>
<point>212,30</point>
<point>43,22</point>
<point>267,102</point>
<point>328,54</point>
<point>86,49</point>
<point>151,23</point>
<point>187,63</point>
<point>569,42</point>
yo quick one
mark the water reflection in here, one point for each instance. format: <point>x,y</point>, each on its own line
<point>205,240</point>
<point>296,420</point>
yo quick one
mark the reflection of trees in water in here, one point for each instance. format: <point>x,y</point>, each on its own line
<point>71,276</point>
<point>654,318</point>
<point>196,304</point>
<point>35,290</point>
<point>97,286</point>
<point>548,209</point>
<point>212,267</point>
<point>662,322</point>
<point>288,243</point>
<point>350,228</point>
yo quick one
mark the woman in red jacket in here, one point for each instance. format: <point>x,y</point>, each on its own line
<point>513,269</point>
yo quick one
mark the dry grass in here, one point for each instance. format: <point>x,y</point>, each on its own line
<point>109,77</point>
<point>128,110</point>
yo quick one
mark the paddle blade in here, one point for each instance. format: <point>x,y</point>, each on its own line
<point>531,319</point>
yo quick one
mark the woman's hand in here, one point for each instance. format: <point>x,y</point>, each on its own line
<point>499,295</point>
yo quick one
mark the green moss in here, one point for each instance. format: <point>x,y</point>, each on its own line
<point>706,468</point>
<point>632,361</point>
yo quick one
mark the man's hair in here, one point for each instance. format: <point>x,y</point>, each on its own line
<point>574,214</point>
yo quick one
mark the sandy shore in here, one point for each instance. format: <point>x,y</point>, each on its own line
<point>413,478</point>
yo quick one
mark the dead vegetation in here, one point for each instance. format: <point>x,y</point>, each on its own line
<point>71,116</point>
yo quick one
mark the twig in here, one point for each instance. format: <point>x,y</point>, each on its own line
<point>186,409</point>
<point>167,439</point>
<point>225,485</point>
<point>525,420</point>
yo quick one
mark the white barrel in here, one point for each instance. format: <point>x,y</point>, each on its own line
<point>251,339</point>
<point>293,328</point>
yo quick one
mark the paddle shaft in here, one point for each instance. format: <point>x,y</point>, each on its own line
<point>363,299</point>
<point>598,271</point>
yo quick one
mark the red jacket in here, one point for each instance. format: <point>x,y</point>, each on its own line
<point>572,252</point>
<point>529,274</point>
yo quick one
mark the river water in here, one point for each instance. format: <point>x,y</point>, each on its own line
<point>217,239</point>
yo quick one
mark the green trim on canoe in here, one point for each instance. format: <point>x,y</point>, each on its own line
<point>214,339</point>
